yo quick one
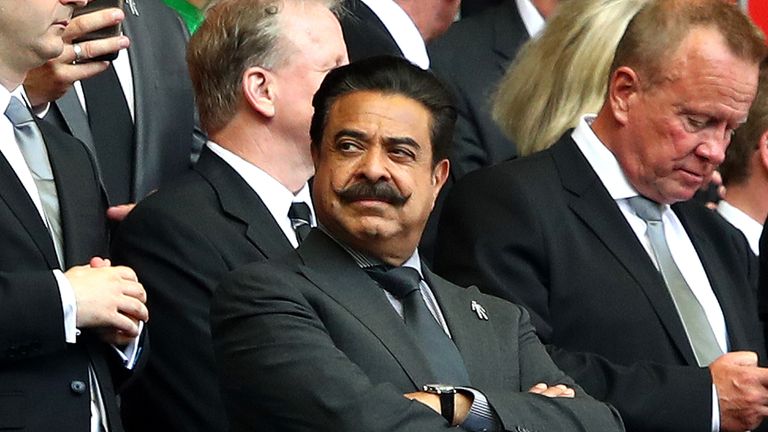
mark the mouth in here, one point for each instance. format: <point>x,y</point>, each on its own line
<point>63,23</point>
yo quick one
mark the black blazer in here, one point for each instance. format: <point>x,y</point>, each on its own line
<point>471,58</point>
<point>364,33</point>
<point>166,137</point>
<point>544,232</point>
<point>44,383</point>
<point>181,241</point>
<point>312,343</point>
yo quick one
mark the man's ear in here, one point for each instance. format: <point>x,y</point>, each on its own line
<point>258,86</point>
<point>762,150</point>
<point>622,90</point>
<point>439,176</point>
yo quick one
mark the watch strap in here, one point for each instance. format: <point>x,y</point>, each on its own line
<point>447,410</point>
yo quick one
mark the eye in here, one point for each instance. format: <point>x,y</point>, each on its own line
<point>402,152</point>
<point>348,146</point>
<point>695,123</point>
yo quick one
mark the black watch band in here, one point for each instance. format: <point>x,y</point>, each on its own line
<point>446,394</point>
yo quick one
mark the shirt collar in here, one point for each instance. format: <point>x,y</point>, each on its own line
<point>402,29</point>
<point>364,260</point>
<point>532,19</point>
<point>276,197</point>
<point>602,161</point>
<point>751,228</point>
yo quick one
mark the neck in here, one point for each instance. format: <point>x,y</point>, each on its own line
<point>258,146</point>
<point>545,7</point>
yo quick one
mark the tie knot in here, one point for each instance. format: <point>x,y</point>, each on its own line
<point>398,281</point>
<point>300,212</point>
<point>647,210</point>
<point>17,112</point>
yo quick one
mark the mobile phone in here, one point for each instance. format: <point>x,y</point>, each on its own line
<point>106,32</point>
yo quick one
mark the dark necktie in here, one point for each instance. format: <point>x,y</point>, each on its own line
<point>695,322</point>
<point>112,130</point>
<point>300,216</point>
<point>32,147</point>
<point>443,357</point>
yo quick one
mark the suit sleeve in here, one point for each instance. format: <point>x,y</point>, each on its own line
<point>491,234</point>
<point>31,317</point>
<point>179,268</point>
<point>527,411</point>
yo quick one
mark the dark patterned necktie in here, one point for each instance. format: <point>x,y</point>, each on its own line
<point>300,216</point>
<point>443,357</point>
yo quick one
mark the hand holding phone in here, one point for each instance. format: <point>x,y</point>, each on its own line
<point>99,33</point>
<point>50,81</point>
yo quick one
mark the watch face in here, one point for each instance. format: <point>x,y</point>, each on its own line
<point>439,388</point>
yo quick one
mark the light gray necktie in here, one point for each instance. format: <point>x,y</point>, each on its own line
<point>32,146</point>
<point>697,327</point>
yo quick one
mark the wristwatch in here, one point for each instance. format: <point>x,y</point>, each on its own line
<point>447,394</point>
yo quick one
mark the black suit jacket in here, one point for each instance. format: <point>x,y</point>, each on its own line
<point>544,232</point>
<point>364,33</point>
<point>181,241</point>
<point>44,383</point>
<point>310,342</point>
<point>166,138</point>
<point>471,58</point>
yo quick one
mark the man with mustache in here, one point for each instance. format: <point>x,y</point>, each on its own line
<point>642,296</point>
<point>61,304</point>
<point>346,334</point>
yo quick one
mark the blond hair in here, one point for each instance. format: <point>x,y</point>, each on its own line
<point>561,74</point>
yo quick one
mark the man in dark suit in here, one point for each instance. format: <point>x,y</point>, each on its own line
<point>395,27</point>
<point>59,301</point>
<point>140,119</point>
<point>471,57</point>
<point>310,342</point>
<point>234,207</point>
<point>563,231</point>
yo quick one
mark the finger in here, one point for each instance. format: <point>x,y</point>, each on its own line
<point>83,24</point>
<point>119,212</point>
<point>133,309</point>
<point>126,273</point>
<point>75,72</point>
<point>124,324</point>
<point>98,47</point>
<point>135,290</point>
<point>743,358</point>
<point>538,388</point>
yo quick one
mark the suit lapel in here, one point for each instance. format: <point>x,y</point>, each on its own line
<point>334,272</point>
<point>240,201</point>
<point>597,210</point>
<point>472,335</point>
<point>75,118</point>
<point>19,202</point>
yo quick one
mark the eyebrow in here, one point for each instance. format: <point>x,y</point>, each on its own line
<point>362,136</point>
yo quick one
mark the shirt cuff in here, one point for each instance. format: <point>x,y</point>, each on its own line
<point>68,306</point>
<point>715,410</point>
<point>481,416</point>
<point>130,353</point>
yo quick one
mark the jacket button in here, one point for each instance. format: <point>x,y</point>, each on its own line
<point>77,387</point>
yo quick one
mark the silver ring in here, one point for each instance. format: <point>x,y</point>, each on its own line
<point>78,52</point>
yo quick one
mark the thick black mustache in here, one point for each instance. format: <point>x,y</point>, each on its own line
<point>379,191</point>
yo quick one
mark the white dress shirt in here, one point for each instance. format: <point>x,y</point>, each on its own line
<point>402,29</point>
<point>607,168</point>
<point>751,228</point>
<point>532,20</point>
<point>276,197</point>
